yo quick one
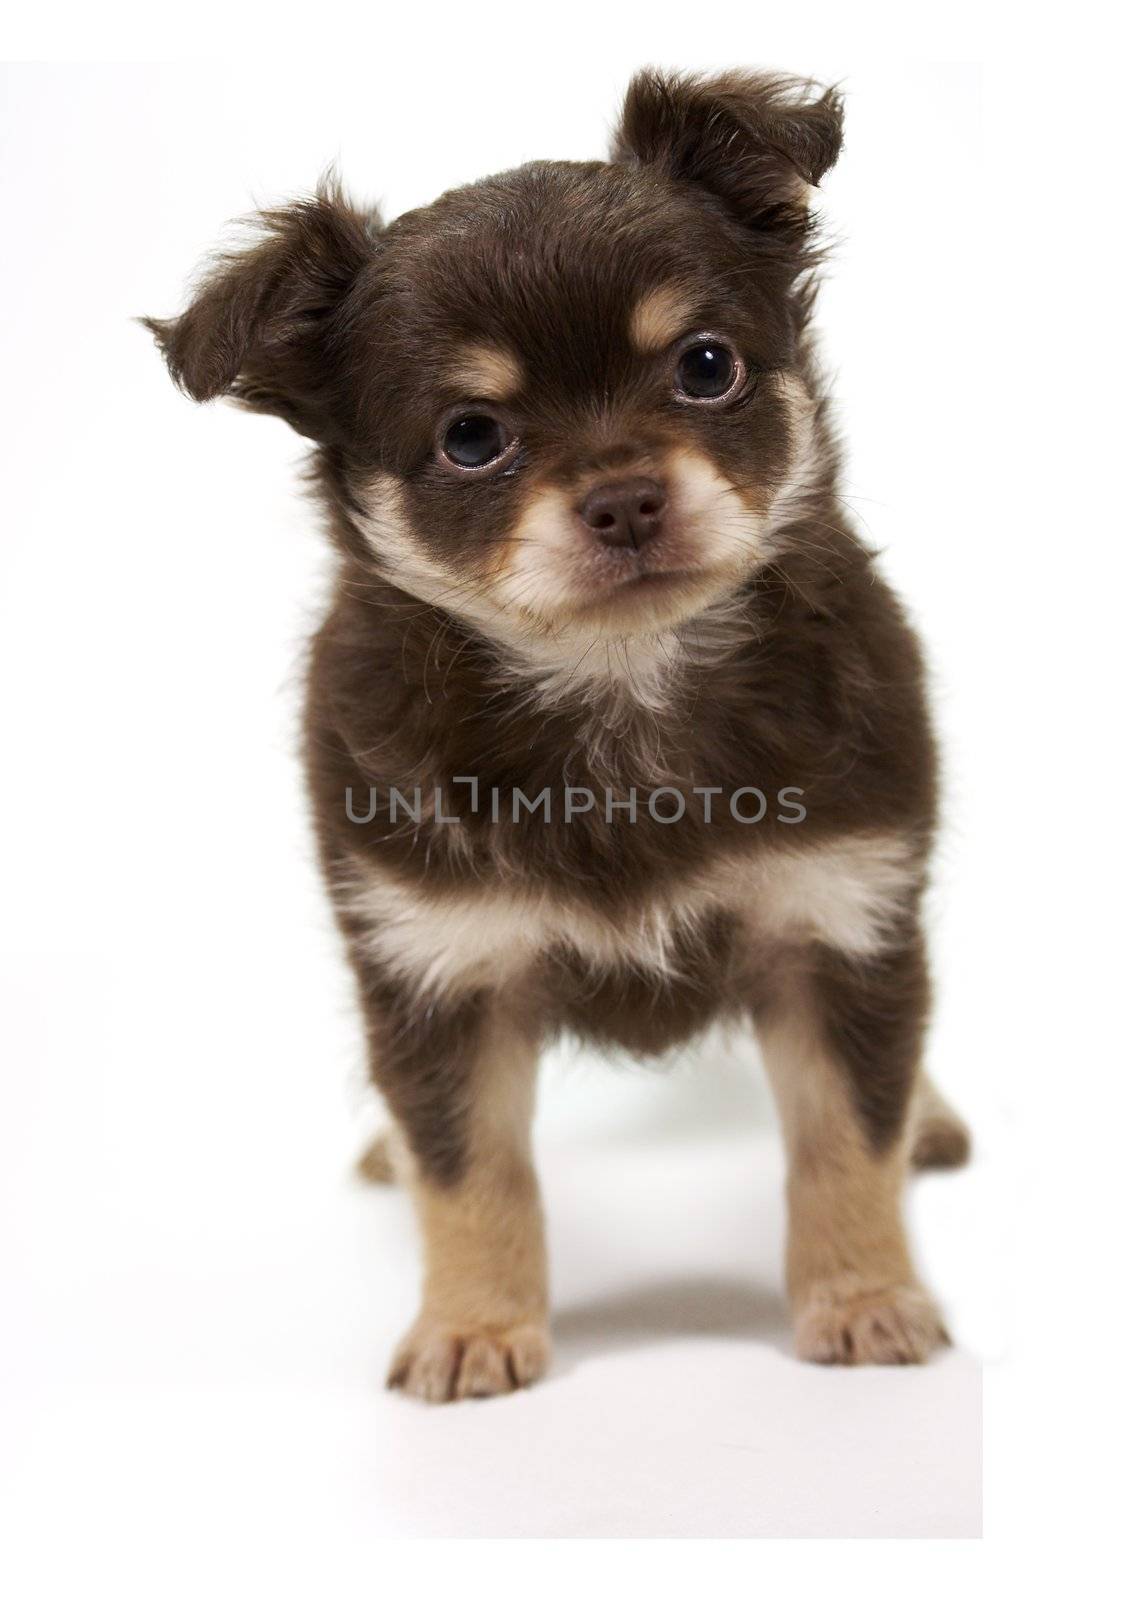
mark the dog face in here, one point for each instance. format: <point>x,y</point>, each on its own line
<point>585,409</point>
<point>565,401</point>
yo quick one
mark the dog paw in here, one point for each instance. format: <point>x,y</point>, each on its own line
<point>942,1139</point>
<point>941,1144</point>
<point>438,1363</point>
<point>377,1162</point>
<point>849,1325</point>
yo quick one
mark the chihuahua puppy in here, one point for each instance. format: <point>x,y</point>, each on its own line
<point>613,725</point>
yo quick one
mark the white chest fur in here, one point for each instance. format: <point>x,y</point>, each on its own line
<point>847,894</point>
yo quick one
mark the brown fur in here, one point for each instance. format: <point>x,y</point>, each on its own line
<point>483,1322</point>
<point>479,630</point>
<point>852,1285</point>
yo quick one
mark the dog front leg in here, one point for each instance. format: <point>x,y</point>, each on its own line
<point>841,1040</point>
<point>459,1077</point>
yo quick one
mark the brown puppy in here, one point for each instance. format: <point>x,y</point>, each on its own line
<point>613,725</point>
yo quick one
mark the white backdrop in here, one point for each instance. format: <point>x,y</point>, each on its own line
<point>197,1302</point>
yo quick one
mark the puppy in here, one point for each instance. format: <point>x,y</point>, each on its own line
<point>613,726</point>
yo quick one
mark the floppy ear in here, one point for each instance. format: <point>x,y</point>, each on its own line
<point>261,326</point>
<point>756,140</point>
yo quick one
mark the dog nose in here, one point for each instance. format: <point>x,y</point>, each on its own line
<point>628,513</point>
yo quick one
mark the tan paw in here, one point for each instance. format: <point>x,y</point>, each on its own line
<point>437,1363</point>
<point>942,1139</point>
<point>376,1162</point>
<point>849,1325</point>
<point>941,1146</point>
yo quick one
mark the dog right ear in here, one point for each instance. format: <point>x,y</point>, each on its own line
<point>261,326</point>
<point>757,141</point>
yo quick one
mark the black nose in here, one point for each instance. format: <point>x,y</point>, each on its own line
<point>627,513</point>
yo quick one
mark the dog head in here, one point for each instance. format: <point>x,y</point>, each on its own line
<point>565,401</point>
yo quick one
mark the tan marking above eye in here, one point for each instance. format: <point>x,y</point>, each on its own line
<point>486,372</point>
<point>660,317</point>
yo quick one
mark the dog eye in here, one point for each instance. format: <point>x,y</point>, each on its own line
<point>708,370</point>
<point>474,440</point>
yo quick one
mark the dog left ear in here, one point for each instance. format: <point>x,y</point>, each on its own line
<point>758,141</point>
<point>262,326</point>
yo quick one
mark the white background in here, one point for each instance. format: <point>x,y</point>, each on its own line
<point>197,1301</point>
